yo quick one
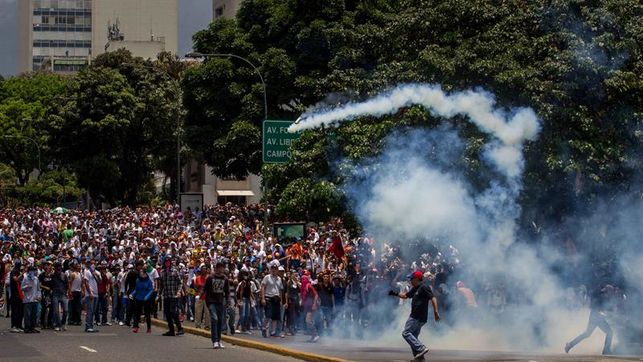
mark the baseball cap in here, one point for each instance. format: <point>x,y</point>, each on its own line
<point>415,275</point>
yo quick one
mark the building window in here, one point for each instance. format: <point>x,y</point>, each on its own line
<point>218,12</point>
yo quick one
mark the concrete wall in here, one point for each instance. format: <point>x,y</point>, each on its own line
<point>24,36</point>
<point>140,21</point>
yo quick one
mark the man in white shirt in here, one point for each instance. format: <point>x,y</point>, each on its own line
<point>90,290</point>
<point>272,289</point>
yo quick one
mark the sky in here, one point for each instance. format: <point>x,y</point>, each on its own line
<point>193,16</point>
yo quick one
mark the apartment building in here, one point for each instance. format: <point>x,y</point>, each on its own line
<point>64,35</point>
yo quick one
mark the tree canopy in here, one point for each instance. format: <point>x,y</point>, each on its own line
<point>577,63</point>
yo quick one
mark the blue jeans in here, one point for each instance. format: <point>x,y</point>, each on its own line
<point>216,321</point>
<point>245,314</point>
<point>31,315</point>
<point>411,332</point>
<point>91,304</point>
<point>57,302</point>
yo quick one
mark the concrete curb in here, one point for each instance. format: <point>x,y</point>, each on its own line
<point>257,345</point>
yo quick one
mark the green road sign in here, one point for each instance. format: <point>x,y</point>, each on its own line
<point>277,141</point>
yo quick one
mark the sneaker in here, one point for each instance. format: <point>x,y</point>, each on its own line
<point>264,333</point>
<point>420,355</point>
<point>191,319</point>
<point>169,334</point>
<point>314,339</point>
<point>221,345</point>
<point>237,331</point>
<point>149,331</point>
<point>248,333</point>
<point>215,345</point>
<point>57,329</point>
<point>91,330</point>
<point>135,330</point>
<point>107,324</point>
<point>64,328</point>
<point>16,330</point>
<point>121,323</point>
<point>180,332</point>
<point>282,335</point>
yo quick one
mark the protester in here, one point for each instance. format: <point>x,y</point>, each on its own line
<point>217,290</point>
<point>31,291</point>
<point>326,282</point>
<point>421,295</point>
<point>142,299</point>
<point>309,301</point>
<point>171,287</point>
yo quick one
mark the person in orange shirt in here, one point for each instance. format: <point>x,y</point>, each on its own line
<point>201,312</point>
<point>295,252</point>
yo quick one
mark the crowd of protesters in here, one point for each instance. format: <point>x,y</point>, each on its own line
<point>220,268</point>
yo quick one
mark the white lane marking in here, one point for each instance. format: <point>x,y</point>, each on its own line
<point>88,349</point>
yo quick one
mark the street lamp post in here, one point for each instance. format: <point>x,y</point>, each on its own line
<point>34,142</point>
<point>263,83</point>
<point>225,55</point>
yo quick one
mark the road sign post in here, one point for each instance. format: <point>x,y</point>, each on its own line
<point>277,141</point>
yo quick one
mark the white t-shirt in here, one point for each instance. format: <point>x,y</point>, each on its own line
<point>154,274</point>
<point>91,282</point>
<point>272,285</point>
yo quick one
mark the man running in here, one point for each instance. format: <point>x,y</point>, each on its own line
<point>599,300</point>
<point>421,294</point>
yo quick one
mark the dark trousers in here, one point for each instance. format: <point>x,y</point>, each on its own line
<point>146,307</point>
<point>31,316</point>
<point>101,310</point>
<point>17,309</point>
<point>129,311</point>
<point>171,310</point>
<point>596,320</point>
<point>154,305</point>
<point>46,313</point>
<point>75,306</point>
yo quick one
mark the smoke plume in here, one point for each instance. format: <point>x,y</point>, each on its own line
<point>412,191</point>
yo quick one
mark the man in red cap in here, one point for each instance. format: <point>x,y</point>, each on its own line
<point>421,294</point>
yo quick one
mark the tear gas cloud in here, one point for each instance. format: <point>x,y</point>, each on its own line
<point>413,190</point>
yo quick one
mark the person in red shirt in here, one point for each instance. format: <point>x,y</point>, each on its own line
<point>201,313</point>
<point>104,286</point>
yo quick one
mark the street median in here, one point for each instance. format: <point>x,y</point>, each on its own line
<point>258,345</point>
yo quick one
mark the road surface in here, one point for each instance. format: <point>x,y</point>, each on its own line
<point>118,344</point>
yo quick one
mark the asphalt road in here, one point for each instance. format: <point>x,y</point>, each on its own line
<point>118,344</point>
<point>353,350</point>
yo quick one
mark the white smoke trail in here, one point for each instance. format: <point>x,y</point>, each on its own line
<point>511,129</point>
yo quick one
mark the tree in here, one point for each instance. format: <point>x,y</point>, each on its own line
<point>23,104</point>
<point>117,121</point>
<point>577,63</point>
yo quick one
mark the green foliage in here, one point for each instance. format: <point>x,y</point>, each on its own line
<point>24,101</point>
<point>304,200</point>
<point>117,123</point>
<point>51,188</point>
<point>577,63</point>
<point>241,145</point>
